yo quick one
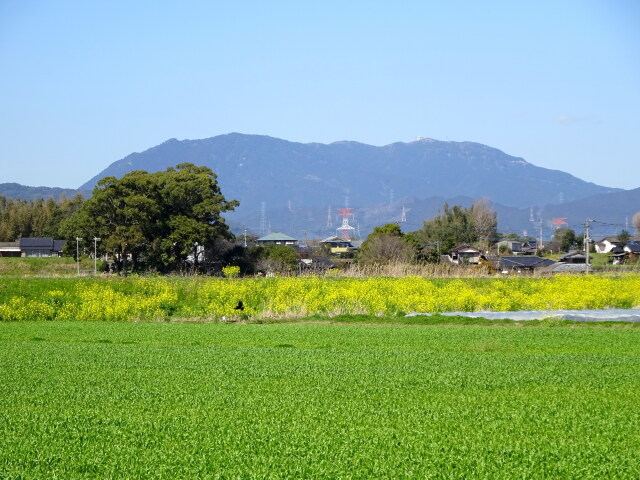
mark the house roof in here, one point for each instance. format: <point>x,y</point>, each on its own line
<point>612,240</point>
<point>633,246</point>
<point>526,262</point>
<point>332,239</point>
<point>322,262</point>
<point>32,242</point>
<point>277,237</point>
<point>45,243</point>
<point>464,248</point>
<point>571,267</point>
<point>573,255</point>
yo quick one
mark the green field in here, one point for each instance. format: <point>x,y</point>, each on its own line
<point>22,267</point>
<point>193,400</point>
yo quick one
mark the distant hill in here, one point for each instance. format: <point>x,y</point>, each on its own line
<point>611,212</point>
<point>22,192</point>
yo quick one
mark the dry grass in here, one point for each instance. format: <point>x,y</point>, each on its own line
<point>399,270</point>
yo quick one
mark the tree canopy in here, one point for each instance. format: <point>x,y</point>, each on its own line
<point>387,244</point>
<point>564,239</point>
<point>160,221</point>
<point>34,218</point>
<point>457,225</point>
<point>636,222</point>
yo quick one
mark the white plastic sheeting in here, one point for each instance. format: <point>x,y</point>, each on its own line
<point>611,315</point>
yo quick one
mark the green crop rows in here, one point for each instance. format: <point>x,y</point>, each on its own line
<point>162,400</point>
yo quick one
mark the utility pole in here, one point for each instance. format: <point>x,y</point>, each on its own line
<point>586,242</point>
<point>540,245</point>
<point>95,254</point>
<point>245,238</point>
<point>78,253</point>
<point>263,219</point>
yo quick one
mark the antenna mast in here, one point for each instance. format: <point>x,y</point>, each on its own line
<point>263,219</point>
<point>557,222</point>
<point>345,230</point>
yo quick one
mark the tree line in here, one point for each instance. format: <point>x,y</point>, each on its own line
<point>35,218</point>
<point>173,221</point>
<point>452,226</point>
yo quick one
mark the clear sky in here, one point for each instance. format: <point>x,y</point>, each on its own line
<point>85,83</point>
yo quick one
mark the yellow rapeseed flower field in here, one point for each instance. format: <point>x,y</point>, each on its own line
<point>293,297</point>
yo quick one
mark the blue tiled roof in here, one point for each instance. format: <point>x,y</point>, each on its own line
<point>277,237</point>
<point>40,243</point>
<point>525,261</point>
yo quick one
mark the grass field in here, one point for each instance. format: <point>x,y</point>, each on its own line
<point>45,267</point>
<point>165,400</point>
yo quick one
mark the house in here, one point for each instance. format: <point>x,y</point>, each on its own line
<point>562,267</point>
<point>277,238</point>
<point>338,245</point>
<point>617,255</point>
<point>518,247</point>
<point>574,258</point>
<point>41,247</point>
<point>317,264</point>
<point>463,255</point>
<point>32,247</point>
<point>10,249</point>
<point>572,262</point>
<point>607,244</point>
<point>514,246</point>
<point>524,264</point>
<point>529,247</point>
<point>633,248</point>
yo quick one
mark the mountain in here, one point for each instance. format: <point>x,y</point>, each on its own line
<point>289,178</point>
<point>296,188</point>
<point>255,169</point>
<point>22,192</point>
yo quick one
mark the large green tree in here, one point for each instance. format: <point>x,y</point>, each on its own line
<point>154,221</point>
<point>458,225</point>
<point>448,228</point>
<point>564,239</point>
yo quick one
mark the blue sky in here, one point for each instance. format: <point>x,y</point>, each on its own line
<point>84,84</point>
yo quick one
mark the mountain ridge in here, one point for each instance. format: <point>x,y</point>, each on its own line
<point>366,173</point>
<point>24,192</point>
<point>296,187</point>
